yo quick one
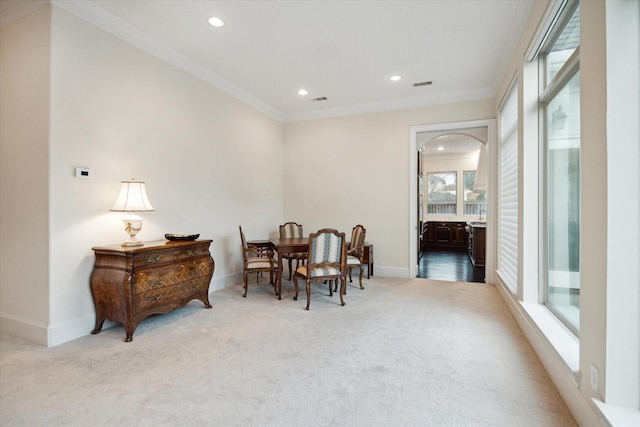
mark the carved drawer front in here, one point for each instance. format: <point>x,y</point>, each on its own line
<point>156,278</point>
<point>150,258</point>
<point>169,254</point>
<point>182,253</point>
<point>168,294</point>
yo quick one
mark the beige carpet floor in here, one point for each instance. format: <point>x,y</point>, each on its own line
<point>399,353</point>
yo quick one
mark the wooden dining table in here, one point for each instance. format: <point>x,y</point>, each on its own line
<point>284,245</point>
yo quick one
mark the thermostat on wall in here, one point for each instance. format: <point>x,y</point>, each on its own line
<point>84,173</point>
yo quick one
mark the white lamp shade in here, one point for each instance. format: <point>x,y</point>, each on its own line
<point>132,198</point>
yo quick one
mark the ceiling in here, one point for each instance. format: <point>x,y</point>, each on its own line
<point>446,144</point>
<point>342,50</point>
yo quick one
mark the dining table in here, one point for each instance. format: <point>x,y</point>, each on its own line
<point>285,245</point>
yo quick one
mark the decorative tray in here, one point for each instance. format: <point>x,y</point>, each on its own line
<point>175,237</point>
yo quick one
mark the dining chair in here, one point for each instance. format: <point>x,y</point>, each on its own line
<point>257,260</point>
<point>355,251</point>
<point>291,230</point>
<point>326,262</point>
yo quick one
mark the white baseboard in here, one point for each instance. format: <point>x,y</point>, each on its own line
<point>23,328</point>
<point>52,335</point>
<point>71,329</point>
<point>565,380</point>
<point>384,271</point>
<point>218,283</point>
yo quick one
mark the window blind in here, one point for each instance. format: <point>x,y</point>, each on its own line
<point>508,191</point>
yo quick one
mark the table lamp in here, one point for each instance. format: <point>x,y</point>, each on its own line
<point>132,198</point>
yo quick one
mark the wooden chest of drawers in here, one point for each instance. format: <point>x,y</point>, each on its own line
<point>129,284</point>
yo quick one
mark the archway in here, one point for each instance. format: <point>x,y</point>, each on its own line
<point>479,130</point>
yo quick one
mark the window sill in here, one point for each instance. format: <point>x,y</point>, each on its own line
<point>618,415</point>
<point>563,341</point>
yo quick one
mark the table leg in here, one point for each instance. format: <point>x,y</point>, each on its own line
<point>279,277</point>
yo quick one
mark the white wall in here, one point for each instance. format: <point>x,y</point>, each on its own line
<point>210,162</point>
<point>622,385</point>
<point>24,173</point>
<point>351,170</point>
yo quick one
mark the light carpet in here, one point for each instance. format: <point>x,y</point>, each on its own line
<point>402,352</point>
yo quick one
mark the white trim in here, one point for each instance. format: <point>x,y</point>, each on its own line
<point>398,104</point>
<point>19,10</point>
<point>385,271</point>
<point>550,16</point>
<point>53,335</point>
<point>614,415</point>
<point>107,21</point>
<point>511,41</point>
<point>566,381</point>
<point>70,330</point>
<point>24,328</point>
<point>96,15</point>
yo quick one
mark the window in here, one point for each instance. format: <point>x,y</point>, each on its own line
<point>560,112</point>
<point>474,202</point>
<point>508,190</point>
<point>441,193</point>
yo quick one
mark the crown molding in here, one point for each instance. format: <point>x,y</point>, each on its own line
<point>398,104</point>
<point>116,26</point>
<point>98,16</point>
<point>14,10</point>
<point>514,35</point>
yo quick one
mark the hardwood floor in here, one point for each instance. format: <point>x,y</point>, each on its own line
<point>453,265</point>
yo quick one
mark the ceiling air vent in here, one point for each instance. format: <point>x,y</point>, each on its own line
<point>322,98</point>
<point>423,84</point>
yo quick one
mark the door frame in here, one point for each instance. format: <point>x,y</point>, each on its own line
<point>491,214</point>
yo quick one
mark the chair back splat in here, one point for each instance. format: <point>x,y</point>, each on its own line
<point>327,261</point>
<point>292,230</point>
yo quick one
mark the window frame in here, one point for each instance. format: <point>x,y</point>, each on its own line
<point>481,210</point>
<point>455,175</point>
<point>549,90</point>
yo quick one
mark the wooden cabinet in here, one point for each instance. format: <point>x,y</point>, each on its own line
<point>459,234</point>
<point>476,243</point>
<point>430,233</point>
<point>443,233</point>
<point>129,284</point>
<point>446,235</point>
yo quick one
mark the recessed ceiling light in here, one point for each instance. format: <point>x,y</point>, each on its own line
<point>303,92</point>
<point>440,148</point>
<point>214,21</point>
<point>395,78</point>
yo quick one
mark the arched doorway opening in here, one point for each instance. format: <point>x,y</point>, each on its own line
<point>461,137</point>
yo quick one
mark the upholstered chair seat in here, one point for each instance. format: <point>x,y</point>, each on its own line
<point>326,262</point>
<point>318,272</point>
<point>257,260</point>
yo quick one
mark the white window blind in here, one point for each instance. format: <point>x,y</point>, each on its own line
<point>508,191</point>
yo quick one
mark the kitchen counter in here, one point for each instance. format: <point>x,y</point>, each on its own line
<point>477,224</point>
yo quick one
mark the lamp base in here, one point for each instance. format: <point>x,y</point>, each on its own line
<point>132,225</point>
<point>130,243</point>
